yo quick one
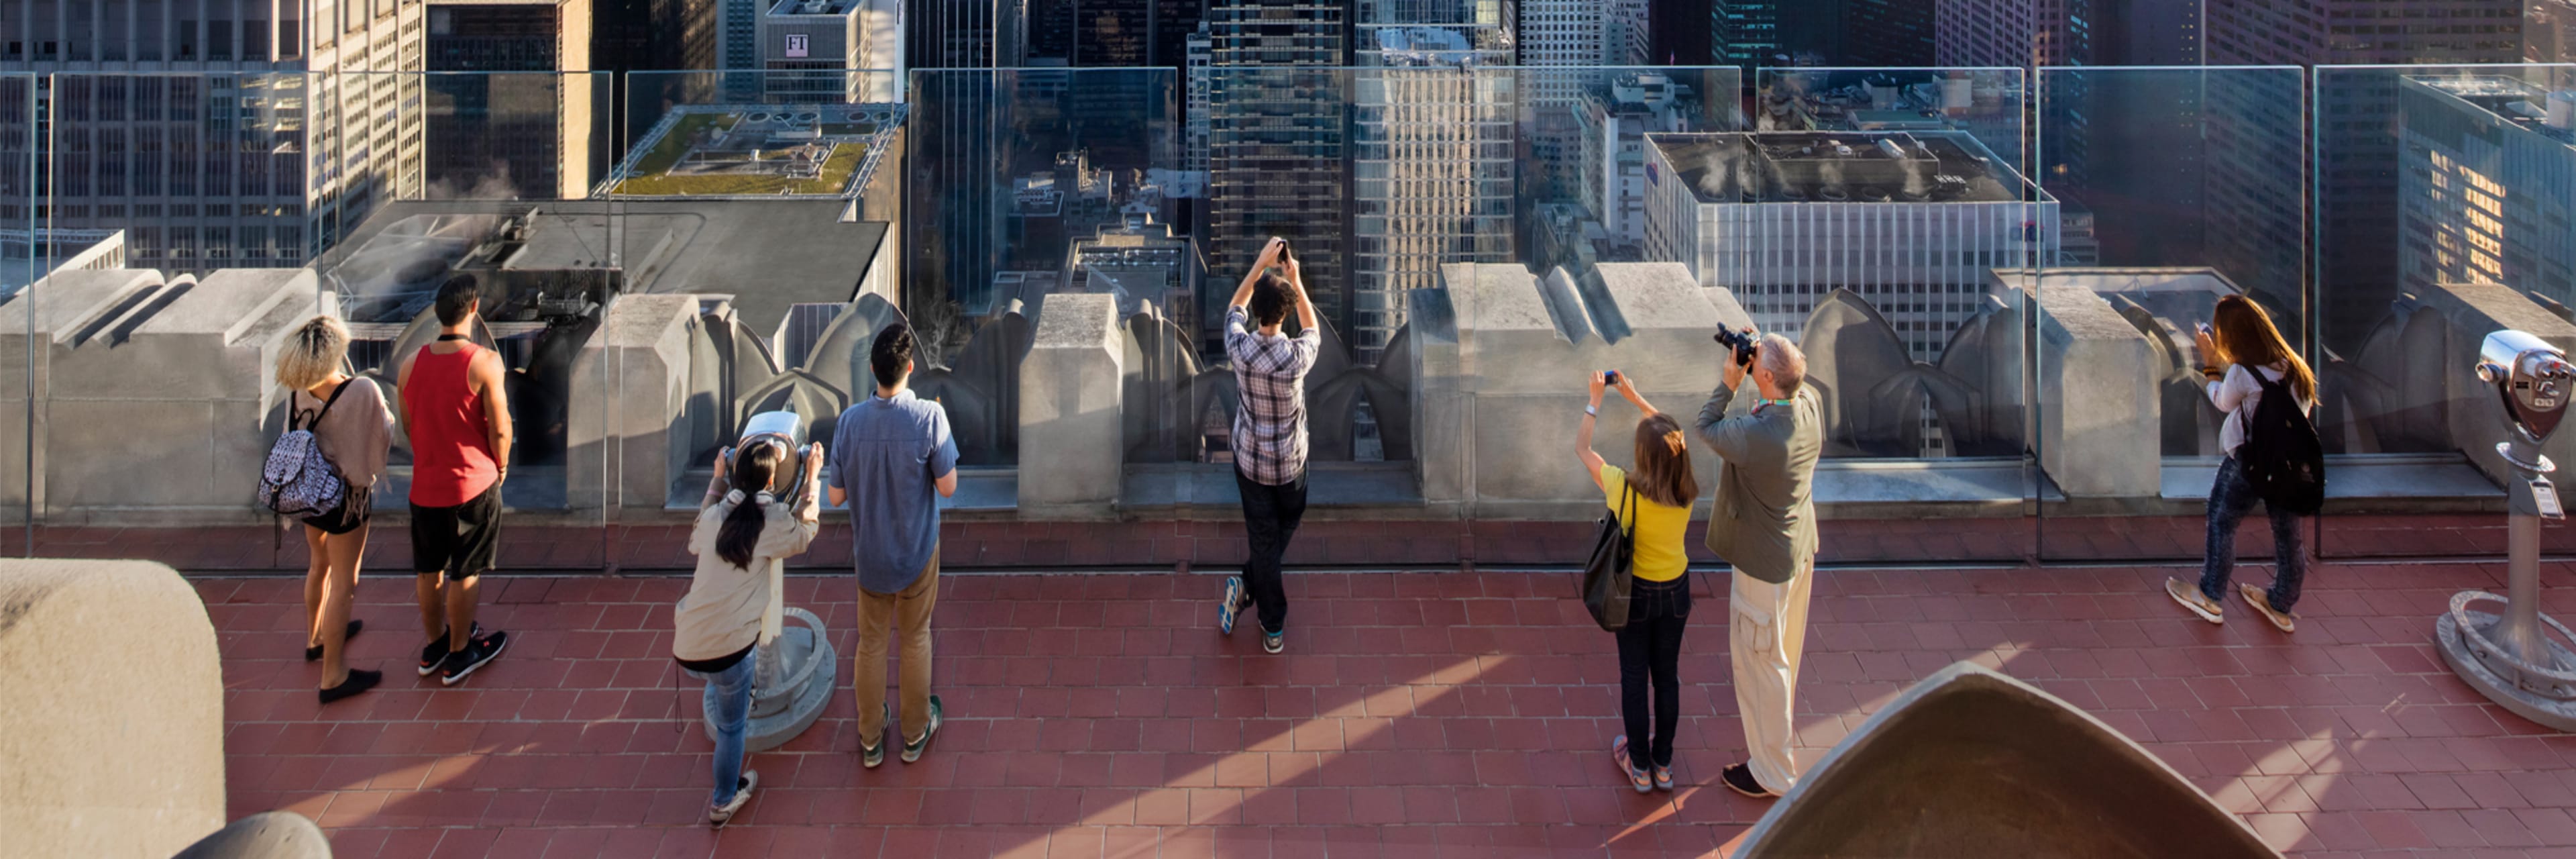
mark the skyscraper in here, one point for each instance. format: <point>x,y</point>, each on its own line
<point>257,139</point>
<point>1433,164</point>
<point>1279,125</point>
<point>2549,32</point>
<point>955,231</point>
<point>533,132</point>
<point>2357,152</point>
<point>2012,33</point>
<point>1887,33</point>
<point>2488,189</point>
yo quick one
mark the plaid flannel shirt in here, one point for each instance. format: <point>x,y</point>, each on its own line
<point>1269,436</point>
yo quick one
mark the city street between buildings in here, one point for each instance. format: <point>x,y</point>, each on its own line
<point>1413,714</point>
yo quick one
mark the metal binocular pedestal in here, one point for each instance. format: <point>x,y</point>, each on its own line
<point>796,668</point>
<point>2511,656</point>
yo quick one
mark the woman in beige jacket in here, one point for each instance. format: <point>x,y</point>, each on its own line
<point>743,536</point>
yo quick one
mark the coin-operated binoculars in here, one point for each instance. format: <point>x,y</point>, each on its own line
<point>796,670</point>
<point>2510,656</point>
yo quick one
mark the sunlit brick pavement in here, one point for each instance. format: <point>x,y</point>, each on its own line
<point>1414,714</point>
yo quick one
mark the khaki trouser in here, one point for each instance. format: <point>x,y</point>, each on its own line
<point>909,613</point>
<point>1767,631</point>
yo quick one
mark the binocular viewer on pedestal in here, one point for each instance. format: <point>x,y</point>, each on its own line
<point>796,668</point>
<point>2511,656</point>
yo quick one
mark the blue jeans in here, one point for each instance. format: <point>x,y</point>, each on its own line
<point>2230,498</point>
<point>731,690</point>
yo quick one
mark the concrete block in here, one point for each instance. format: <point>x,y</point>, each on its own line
<point>114,739</point>
<point>266,835</point>
<point>631,386</point>
<point>1069,406</point>
<point>2476,415</point>
<point>2099,430</point>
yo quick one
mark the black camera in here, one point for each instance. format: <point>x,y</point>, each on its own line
<point>1741,342</point>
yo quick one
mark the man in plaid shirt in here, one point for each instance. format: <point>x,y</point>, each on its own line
<point>1269,436</point>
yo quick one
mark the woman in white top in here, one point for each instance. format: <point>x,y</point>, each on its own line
<point>743,536</point>
<point>2246,344</point>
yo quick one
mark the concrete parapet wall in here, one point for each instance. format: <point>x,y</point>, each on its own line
<point>1073,459</point>
<point>111,710</point>
<point>2098,411</point>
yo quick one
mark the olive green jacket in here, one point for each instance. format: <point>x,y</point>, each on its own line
<point>1765,515</point>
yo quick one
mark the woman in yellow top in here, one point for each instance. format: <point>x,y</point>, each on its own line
<point>1659,601</point>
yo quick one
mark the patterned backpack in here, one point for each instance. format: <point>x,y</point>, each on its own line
<point>297,481</point>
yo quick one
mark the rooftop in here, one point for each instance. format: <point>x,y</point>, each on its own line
<point>1839,167</point>
<point>816,7</point>
<point>2513,100</point>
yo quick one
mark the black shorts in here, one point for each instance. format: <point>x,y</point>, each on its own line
<point>350,516</point>
<point>459,541</point>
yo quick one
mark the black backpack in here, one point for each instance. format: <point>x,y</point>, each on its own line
<point>2282,458</point>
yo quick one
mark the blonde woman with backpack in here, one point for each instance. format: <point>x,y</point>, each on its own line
<point>2240,344</point>
<point>354,430</point>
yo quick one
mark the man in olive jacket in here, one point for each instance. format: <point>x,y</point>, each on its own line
<point>1765,526</point>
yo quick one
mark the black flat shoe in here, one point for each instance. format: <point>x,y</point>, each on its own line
<point>314,653</point>
<point>360,680</point>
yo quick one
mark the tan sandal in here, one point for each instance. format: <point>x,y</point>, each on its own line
<point>2190,598</point>
<point>2262,604</point>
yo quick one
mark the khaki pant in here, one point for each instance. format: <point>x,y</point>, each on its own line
<point>1767,631</point>
<point>909,613</point>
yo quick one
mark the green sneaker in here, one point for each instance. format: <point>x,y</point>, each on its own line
<point>871,756</point>
<point>912,749</point>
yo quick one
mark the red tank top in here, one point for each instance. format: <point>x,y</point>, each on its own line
<point>451,441</point>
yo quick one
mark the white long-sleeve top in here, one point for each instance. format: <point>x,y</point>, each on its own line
<point>2237,395</point>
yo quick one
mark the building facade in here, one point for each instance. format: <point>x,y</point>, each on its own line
<point>254,136</point>
<point>834,50</point>
<point>531,135</point>
<point>1433,168</point>
<point>1911,221</point>
<point>1613,129</point>
<point>2489,187</point>
<point>1279,142</point>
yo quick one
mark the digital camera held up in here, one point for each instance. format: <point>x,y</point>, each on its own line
<point>1740,341</point>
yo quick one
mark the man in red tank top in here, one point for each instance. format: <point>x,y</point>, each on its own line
<point>458,418</point>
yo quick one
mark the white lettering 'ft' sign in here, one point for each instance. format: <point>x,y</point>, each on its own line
<point>795,45</point>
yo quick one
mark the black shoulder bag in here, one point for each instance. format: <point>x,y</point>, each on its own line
<point>1606,577</point>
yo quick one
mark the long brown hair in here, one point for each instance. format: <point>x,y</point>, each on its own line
<point>741,530</point>
<point>2244,335</point>
<point>1663,462</point>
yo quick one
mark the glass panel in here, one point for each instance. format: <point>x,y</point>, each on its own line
<point>178,211</point>
<point>1879,217</point>
<point>2177,186</point>
<point>760,217</point>
<point>23,257</point>
<point>2444,213</point>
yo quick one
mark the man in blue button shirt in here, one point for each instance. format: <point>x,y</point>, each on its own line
<point>889,453</point>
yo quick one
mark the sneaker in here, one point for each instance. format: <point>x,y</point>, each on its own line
<point>912,749</point>
<point>314,653</point>
<point>1229,604</point>
<point>2262,603</point>
<point>478,652</point>
<point>433,655</point>
<point>1664,779</point>
<point>871,756</point>
<point>1637,778</point>
<point>359,680</point>
<point>2190,597</point>
<point>719,815</point>
<point>1273,642</point>
<point>1739,778</point>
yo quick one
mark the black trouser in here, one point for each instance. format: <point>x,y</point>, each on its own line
<point>1270,515</point>
<point>1650,647</point>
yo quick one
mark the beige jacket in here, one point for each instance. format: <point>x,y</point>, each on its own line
<point>729,607</point>
<point>1765,518</point>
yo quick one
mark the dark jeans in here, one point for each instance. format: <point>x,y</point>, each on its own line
<point>1270,515</point>
<point>1650,647</point>
<point>2230,498</point>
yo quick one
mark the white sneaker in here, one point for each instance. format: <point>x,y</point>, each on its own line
<point>719,815</point>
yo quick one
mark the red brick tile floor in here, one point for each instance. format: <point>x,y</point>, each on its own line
<point>1415,714</point>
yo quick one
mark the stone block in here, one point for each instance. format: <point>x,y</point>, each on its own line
<point>631,387</point>
<point>1521,346</point>
<point>114,739</point>
<point>1072,459</point>
<point>2099,433</point>
<point>2476,415</point>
